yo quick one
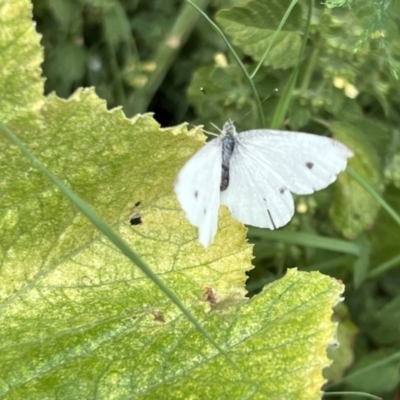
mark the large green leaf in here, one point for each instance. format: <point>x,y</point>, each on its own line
<point>77,319</point>
<point>252,26</point>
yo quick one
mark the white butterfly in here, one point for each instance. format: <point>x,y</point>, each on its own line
<point>253,173</point>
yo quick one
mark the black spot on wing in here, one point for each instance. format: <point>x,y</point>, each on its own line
<point>205,211</point>
<point>196,194</point>
<point>309,165</point>
<point>282,190</point>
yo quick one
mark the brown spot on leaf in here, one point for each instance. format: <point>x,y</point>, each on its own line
<point>135,219</point>
<point>158,316</point>
<point>210,295</point>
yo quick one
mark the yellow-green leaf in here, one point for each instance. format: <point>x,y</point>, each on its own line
<point>77,319</point>
<point>21,84</point>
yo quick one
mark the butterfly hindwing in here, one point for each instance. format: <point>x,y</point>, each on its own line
<point>197,188</point>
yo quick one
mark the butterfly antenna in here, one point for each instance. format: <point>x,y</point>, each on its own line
<point>265,98</point>
<point>216,127</point>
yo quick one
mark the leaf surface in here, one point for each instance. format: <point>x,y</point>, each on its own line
<point>78,320</point>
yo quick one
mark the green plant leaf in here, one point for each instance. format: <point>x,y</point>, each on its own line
<point>77,319</point>
<point>21,84</point>
<point>343,356</point>
<point>65,66</point>
<point>376,372</point>
<point>353,208</point>
<point>252,26</point>
<point>361,265</point>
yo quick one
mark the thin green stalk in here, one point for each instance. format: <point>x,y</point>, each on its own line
<point>305,239</point>
<point>285,99</point>
<point>310,67</point>
<point>114,238</point>
<point>371,367</point>
<point>165,56</point>
<point>373,193</point>
<point>238,60</point>
<point>283,21</point>
<point>355,394</point>
<point>118,86</point>
<point>384,267</point>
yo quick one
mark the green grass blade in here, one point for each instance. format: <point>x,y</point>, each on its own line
<point>373,193</point>
<point>354,394</point>
<point>284,101</point>
<point>384,267</point>
<point>305,239</point>
<point>371,367</point>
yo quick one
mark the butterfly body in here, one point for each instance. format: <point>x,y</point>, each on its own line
<point>254,173</point>
<point>228,146</point>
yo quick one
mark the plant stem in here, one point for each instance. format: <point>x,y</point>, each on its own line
<point>310,67</point>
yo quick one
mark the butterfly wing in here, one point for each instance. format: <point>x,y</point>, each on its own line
<point>305,162</point>
<point>197,188</point>
<point>266,165</point>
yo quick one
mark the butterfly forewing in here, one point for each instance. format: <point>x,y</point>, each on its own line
<point>197,189</point>
<point>304,162</point>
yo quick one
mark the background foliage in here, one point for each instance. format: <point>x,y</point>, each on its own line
<point>346,86</point>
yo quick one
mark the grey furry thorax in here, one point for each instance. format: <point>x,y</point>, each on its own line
<point>228,129</point>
